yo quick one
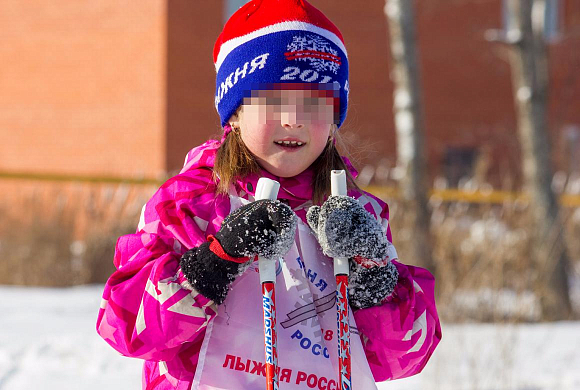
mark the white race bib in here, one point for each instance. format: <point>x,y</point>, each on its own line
<point>232,354</point>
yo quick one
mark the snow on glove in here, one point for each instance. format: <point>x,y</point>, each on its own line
<point>345,229</point>
<point>368,287</point>
<point>263,228</point>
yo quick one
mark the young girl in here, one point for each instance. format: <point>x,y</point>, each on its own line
<point>186,296</point>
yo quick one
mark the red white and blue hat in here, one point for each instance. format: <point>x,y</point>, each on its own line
<point>277,42</point>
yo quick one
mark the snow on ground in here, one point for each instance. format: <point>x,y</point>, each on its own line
<point>48,341</point>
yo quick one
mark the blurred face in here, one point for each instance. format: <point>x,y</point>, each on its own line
<point>286,130</point>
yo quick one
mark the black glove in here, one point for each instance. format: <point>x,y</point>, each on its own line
<point>345,229</point>
<point>263,228</point>
<point>368,287</point>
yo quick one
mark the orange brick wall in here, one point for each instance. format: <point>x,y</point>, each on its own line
<point>193,27</point>
<point>82,86</point>
<point>109,88</point>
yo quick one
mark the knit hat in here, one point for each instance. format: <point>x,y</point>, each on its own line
<point>270,43</point>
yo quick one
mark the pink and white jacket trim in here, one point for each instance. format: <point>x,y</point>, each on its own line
<point>149,310</point>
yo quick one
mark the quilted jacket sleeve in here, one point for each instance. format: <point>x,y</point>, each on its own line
<point>148,308</point>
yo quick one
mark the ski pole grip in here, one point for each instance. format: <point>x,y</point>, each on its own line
<point>338,182</point>
<point>338,188</point>
<point>267,189</point>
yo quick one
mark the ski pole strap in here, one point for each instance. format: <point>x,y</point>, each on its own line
<point>218,250</point>
<point>369,263</point>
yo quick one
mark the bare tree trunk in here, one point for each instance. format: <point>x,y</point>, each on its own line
<point>530,84</point>
<point>409,125</point>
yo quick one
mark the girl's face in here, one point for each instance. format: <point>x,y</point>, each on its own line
<point>286,130</point>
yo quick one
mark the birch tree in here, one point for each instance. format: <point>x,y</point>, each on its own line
<point>529,64</point>
<point>409,125</point>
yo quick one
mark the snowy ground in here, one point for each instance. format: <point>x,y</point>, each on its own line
<point>48,341</point>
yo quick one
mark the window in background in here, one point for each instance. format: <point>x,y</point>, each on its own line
<point>571,148</point>
<point>458,163</point>
<point>551,18</point>
<point>232,6</point>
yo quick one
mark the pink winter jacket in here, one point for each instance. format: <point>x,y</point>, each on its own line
<point>149,311</point>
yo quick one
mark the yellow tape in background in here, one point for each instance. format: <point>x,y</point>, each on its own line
<point>78,178</point>
<point>456,195</point>
<point>445,195</point>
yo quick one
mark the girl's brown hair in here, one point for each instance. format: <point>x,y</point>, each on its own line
<point>235,161</point>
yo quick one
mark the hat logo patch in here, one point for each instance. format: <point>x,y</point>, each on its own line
<point>316,50</point>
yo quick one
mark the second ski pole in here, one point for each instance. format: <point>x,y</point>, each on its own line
<point>341,271</point>
<point>268,189</point>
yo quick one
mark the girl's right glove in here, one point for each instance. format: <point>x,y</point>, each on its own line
<point>345,229</point>
<point>263,228</point>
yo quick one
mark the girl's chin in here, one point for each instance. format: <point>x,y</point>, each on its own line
<point>284,170</point>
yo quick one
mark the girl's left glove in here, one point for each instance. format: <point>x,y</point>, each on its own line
<point>345,229</point>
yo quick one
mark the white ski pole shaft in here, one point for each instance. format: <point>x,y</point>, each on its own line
<point>338,187</point>
<point>267,189</point>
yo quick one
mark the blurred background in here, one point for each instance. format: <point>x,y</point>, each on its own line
<point>464,116</point>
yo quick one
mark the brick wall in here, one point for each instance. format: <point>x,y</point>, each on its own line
<point>82,86</point>
<point>104,88</point>
<point>193,27</point>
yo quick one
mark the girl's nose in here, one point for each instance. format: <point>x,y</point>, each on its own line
<point>289,121</point>
<point>294,126</point>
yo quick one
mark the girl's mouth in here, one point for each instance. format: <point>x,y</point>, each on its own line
<point>290,144</point>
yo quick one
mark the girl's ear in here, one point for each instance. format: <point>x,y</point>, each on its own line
<point>332,133</point>
<point>234,120</point>
<point>235,124</point>
<point>333,130</point>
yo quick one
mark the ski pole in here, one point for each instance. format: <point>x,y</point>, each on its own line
<point>341,271</point>
<point>268,189</point>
